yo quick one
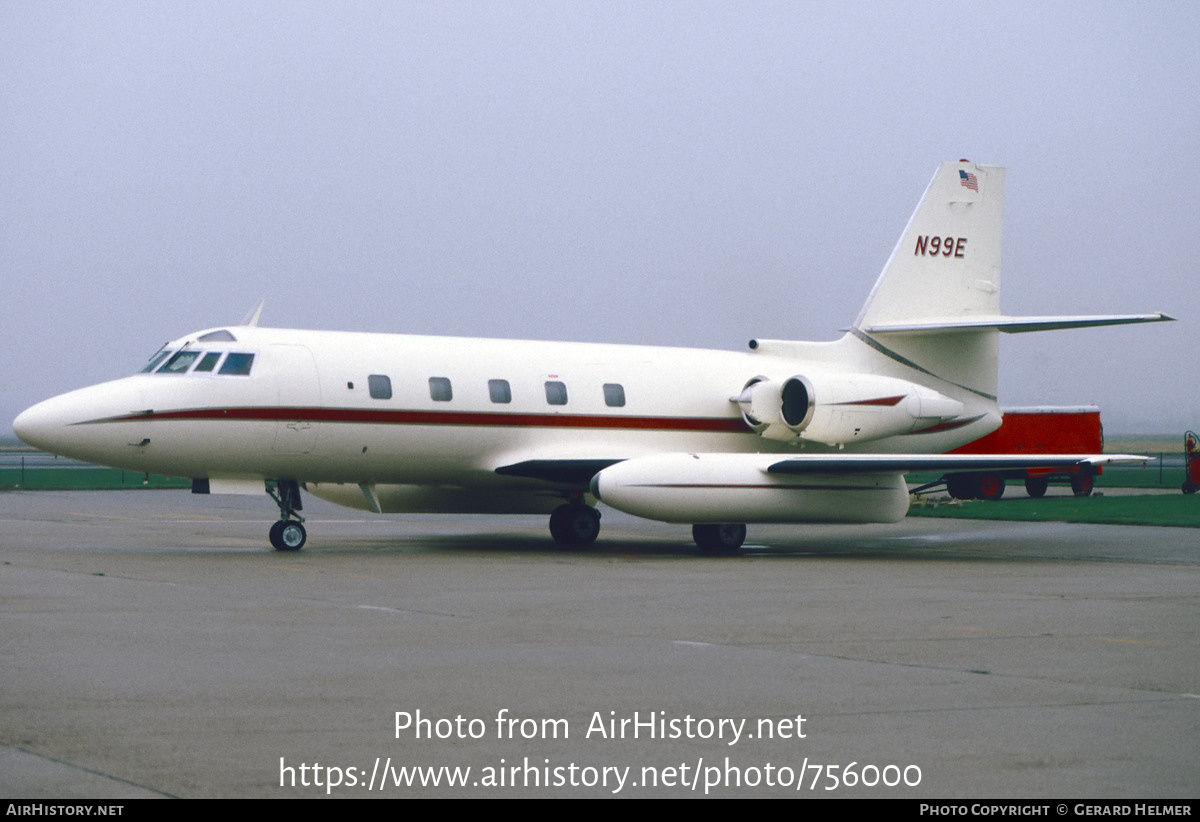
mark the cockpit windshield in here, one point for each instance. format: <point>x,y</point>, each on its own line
<point>156,360</point>
<point>168,361</point>
<point>180,363</point>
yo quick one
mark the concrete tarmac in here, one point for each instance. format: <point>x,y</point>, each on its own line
<point>153,645</point>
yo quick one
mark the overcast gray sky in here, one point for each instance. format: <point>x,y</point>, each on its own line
<point>661,172</point>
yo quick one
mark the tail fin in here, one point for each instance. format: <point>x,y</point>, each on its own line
<point>936,306</point>
<point>944,274</point>
<point>946,265</point>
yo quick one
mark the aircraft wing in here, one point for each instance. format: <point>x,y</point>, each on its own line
<point>566,471</point>
<point>741,488</point>
<point>904,463</point>
<point>580,471</point>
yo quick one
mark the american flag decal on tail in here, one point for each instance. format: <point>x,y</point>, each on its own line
<point>968,180</point>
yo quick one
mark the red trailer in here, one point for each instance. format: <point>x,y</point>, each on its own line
<point>1191,462</point>
<point>1039,430</point>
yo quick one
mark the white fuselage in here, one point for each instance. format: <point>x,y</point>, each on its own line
<point>333,407</point>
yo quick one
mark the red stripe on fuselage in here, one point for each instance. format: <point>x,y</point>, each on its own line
<point>889,401</point>
<point>732,425</point>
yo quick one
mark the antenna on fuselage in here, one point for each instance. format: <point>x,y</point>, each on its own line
<point>251,319</point>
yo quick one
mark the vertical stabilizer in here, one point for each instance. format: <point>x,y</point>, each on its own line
<point>945,268</point>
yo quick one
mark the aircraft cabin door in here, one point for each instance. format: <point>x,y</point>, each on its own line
<point>299,388</point>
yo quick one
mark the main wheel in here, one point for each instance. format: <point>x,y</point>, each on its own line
<point>724,538</point>
<point>1082,484</point>
<point>288,535</point>
<point>575,524</point>
<point>1036,486</point>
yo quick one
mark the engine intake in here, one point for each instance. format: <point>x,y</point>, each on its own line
<point>836,411</point>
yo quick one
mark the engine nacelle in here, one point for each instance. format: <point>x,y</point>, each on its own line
<point>842,409</point>
<point>738,488</point>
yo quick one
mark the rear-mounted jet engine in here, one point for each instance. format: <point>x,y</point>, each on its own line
<point>841,410</point>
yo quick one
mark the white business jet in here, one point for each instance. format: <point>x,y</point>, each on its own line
<point>785,432</point>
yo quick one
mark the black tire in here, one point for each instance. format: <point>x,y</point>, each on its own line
<point>575,524</point>
<point>990,486</point>
<point>1082,484</point>
<point>961,486</point>
<point>723,538</point>
<point>288,535</point>
<point>1036,486</point>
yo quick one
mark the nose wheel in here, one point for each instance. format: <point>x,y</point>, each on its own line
<point>288,534</point>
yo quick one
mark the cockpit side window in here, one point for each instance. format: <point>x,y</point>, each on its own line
<point>238,364</point>
<point>180,363</point>
<point>209,361</point>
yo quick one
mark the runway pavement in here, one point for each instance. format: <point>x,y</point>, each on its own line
<point>153,645</point>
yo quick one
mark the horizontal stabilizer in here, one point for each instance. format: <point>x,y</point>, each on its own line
<point>1014,325</point>
<point>903,463</point>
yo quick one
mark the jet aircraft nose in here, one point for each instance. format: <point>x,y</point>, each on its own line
<point>71,424</point>
<point>39,425</point>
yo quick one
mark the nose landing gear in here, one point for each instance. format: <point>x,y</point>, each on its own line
<point>288,534</point>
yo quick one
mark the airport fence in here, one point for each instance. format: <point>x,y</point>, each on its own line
<point>1164,470</point>
<point>38,471</point>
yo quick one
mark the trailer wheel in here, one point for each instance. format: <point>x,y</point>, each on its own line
<point>1036,486</point>
<point>961,486</point>
<point>1082,484</point>
<point>991,486</point>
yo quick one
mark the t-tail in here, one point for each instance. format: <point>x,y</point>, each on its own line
<point>936,306</point>
<point>944,270</point>
<point>922,357</point>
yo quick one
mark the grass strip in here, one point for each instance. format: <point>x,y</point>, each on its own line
<point>1175,510</point>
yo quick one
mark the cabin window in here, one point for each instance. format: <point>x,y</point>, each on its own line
<point>499,391</point>
<point>180,363</point>
<point>614,395</point>
<point>237,364</point>
<point>209,361</point>
<point>380,386</point>
<point>556,392</point>
<point>439,389</point>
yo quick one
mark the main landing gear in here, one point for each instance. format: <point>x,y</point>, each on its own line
<point>575,523</point>
<point>288,534</point>
<point>724,538</point>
